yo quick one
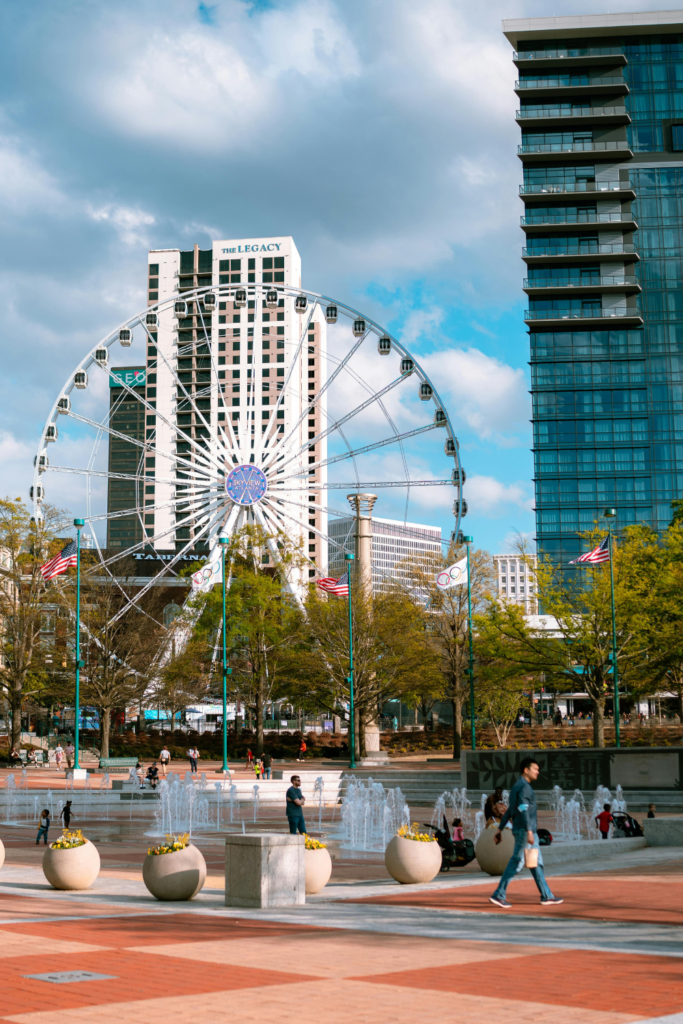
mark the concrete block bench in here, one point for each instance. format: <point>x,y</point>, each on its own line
<point>264,869</point>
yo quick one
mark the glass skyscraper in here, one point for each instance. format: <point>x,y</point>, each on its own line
<point>601,117</point>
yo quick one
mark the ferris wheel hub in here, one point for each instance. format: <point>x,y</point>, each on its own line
<point>246,485</point>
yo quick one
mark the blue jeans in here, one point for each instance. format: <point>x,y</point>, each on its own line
<point>516,863</point>
<point>42,832</point>
<point>266,772</point>
<point>297,825</point>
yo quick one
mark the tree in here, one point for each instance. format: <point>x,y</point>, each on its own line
<point>119,653</point>
<point>391,656</point>
<point>264,619</point>
<point>447,622</point>
<point>576,648</point>
<point>25,545</point>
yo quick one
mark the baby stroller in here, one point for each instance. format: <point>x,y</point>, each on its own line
<point>626,825</point>
<point>453,855</point>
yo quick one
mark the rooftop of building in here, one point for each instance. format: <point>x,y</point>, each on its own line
<point>581,26</point>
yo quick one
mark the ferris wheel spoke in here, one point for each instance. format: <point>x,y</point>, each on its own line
<point>209,520</point>
<point>176,502</point>
<point>143,401</point>
<point>316,398</point>
<point>361,451</point>
<point>144,446</point>
<point>292,366</point>
<point>364,484</point>
<point>312,529</point>
<point>109,475</point>
<point>344,419</point>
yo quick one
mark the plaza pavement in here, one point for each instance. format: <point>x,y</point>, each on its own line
<point>363,950</point>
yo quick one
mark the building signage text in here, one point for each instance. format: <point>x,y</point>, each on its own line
<point>271,247</point>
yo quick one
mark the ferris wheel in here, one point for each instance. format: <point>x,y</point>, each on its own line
<point>199,439</point>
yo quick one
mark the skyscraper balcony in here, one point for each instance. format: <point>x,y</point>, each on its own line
<point>618,189</point>
<point>543,219</point>
<point>543,151</point>
<point>588,284</point>
<point>594,317</point>
<point>569,57</point>
<point>622,251</point>
<point>570,86</point>
<point>578,114</point>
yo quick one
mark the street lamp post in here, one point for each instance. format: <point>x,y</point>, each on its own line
<point>352,728</point>
<point>610,514</point>
<point>224,541</point>
<point>473,732</point>
<point>79,524</point>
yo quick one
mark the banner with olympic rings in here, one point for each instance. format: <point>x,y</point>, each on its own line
<point>205,577</point>
<point>454,576</point>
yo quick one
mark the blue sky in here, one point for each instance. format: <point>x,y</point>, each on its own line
<point>380,135</point>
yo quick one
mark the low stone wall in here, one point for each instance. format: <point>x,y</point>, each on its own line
<point>589,849</point>
<point>663,831</point>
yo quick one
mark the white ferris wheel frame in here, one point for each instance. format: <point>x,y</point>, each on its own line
<point>206,500</point>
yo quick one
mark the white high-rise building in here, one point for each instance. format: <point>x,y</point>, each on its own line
<point>393,543</point>
<point>517,581</point>
<point>233,362</point>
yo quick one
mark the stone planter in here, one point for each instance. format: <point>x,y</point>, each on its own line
<point>493,858</point>
<point>318,866</point>
<point>175,876</point>
<point>76,868</point>
<point>410,861</point>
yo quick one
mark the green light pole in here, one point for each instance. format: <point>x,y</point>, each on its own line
<point>352,726</point>
<point>79,524</point>
<point>610,514</point>
<point>467,541</point>
<point>224,541</point>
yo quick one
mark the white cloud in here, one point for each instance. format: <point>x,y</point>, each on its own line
<point>27,187</point>
<point>489,497</point>
<point>127,221</point>
<point>490,396</point>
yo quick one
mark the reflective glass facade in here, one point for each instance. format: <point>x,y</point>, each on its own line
<point>601,118</point>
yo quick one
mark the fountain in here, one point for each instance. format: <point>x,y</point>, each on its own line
<point>10,799</point>
<point>218,786</point>
<point>179,809</point>
<point>233,801</point>
<point>318,789</point>
<point>255,802</point>
<point>371,815</point>
<point>458,802</point>
<point>479,824</point>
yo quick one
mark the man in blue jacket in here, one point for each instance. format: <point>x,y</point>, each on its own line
<point>522,812</point>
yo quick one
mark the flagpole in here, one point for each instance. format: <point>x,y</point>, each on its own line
<point>224,541</point>
<point>610,514</point>
<point>352,727</point>
<point>473,731</point>
<point>78,523</point>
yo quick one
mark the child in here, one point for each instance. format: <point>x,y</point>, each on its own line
<point>43,826</point>
<point>257,769</point>
<point>651,808</point>
<point>603,821</point>
<point>457,830</point>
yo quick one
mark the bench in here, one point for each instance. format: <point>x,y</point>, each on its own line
<point>118,764</point>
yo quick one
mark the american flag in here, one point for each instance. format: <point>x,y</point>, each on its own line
<point>332,586</point>
<point>599,554</point>
<point>60,563</point>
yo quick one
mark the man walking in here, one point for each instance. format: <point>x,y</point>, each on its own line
<point>164,759</point>
<point>295,807</point>
<point>522,812</point>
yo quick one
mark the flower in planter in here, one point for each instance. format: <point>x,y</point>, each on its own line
<point>69,840</point>
<point>313,844</point>
<point>413,832</point>
<point>172,845</point>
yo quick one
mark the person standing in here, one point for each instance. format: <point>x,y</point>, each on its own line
<point>59,756</point>
<point>257,769</point>
<point>295,807</point>
<point>69,754</point>
<point>164,759</point>
<point>43,826</point>
<point>604,820</point>
<point>193,755</point>
<point>267,763</point>
<point>522,812</point>
<point>66,814</point>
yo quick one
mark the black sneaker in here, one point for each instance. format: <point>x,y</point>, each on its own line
<point>551,901</point>
<point>500,901</point>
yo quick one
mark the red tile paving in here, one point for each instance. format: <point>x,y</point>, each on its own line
<point>575,978</point>
<point>133,979</point>
<point>157,929</point>
<point>586,897</point>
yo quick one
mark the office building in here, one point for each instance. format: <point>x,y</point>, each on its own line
<point>394,544</point>
<point>601,119</point>
<point>126,416</point>
<point>516,581</point>
<point>210,367</point>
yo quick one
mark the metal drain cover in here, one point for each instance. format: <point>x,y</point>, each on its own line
<point>69,977</point>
